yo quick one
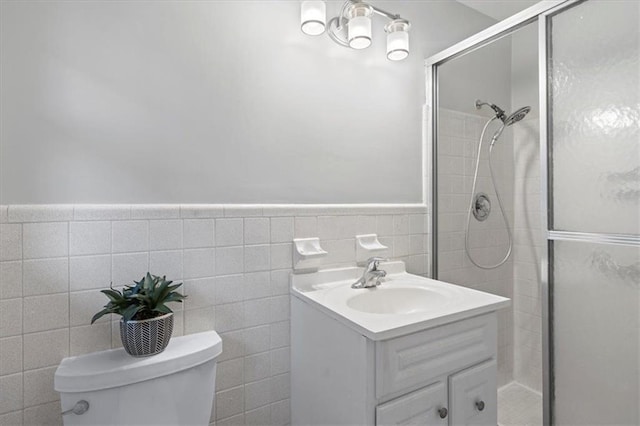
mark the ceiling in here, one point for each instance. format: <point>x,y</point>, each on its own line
<point>499,10</point>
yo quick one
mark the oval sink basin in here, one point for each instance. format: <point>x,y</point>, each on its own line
<point>398,300</point>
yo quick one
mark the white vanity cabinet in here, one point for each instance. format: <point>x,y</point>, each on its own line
<point>444,375</point>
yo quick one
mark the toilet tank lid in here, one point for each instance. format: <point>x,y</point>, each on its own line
<point>114,368</point>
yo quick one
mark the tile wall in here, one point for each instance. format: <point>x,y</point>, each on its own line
<point>488,240</point>
<point>234,261</point>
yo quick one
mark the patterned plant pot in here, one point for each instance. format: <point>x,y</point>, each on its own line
<point>146,337</point>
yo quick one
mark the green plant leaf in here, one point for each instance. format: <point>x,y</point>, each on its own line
<point>162,308</point>
<point>101,314</point>
<point>130,312</point>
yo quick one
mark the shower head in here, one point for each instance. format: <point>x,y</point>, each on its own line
<point>516,116</point>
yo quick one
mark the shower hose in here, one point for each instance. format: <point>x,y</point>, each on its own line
<point>473,191</point>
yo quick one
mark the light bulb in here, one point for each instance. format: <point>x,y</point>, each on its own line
<point>313,17</point>
<point>397,39</point>
<point>360,32</point>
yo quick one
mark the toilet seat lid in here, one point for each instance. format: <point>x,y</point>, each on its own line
<point>115,368</point>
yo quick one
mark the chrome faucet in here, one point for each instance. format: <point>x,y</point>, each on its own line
<point>371,275</point>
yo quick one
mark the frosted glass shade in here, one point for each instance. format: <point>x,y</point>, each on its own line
<point>360,32</point>
<point>397,45</point>
<point>313,17</point>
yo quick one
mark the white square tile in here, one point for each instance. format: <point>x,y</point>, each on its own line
<point>10,279</point>
<point>199,263</point>
<point>230,316</point>
<point>90,338</point>
<point>10,317</point>
<point>365,225</point>
<point>340,252</point>
<point>401,246</point>
<point>45,349</point>
<point>229,232</point>
<point>258,417</point>
<point>229,260</point>
<point>233,344</point>
<point>256,339</point>
<point>306,227</point>
<point>257,367</point>
<point>4,214</point>
<point>347,227</point>
<point>38,387</point>
<point>201,293</point>
<point>328,227</point>
<point>86,272</point>
<point>280,361</point>
<point>384,225</point>
<point>45,240</point>
<point>229,402</point>
<point>198,233</point>
<point>257,312</point>
<point>199,320</point>
<point>229,289</point>
<point>10,355</point>
<point>256,230</point>
<point>10,241</point>
<point>282,229</point>
<point>130,236</point>
<point>84,305</point>
<point>400,224</point>
<point>257,258</point>
<point>165,234</point>
<point>280,334</point>
<point>279,308</point>
<point>280,282</point>
<point>45,276</point>
<point>14,418</point>
<point>281,413</point>
<point>281,256</point>
<point>12,392</point>
<point>127,268</point>
<point>166,263</point>
<point>230,374</point>
<point>281,387</point>
<point>89,238</point>
<point>45,414</point>
<point>417,223</point>
<point>257,394</point>
<point>256,285</point>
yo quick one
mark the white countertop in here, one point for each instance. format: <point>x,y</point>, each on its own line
<point>330,291</point>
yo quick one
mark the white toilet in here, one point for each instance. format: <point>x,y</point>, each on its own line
<point>175,387</point>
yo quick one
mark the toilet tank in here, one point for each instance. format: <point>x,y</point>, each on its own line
<point>175,387</point>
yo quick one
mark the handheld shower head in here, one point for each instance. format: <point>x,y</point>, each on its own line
<point>510,120</point>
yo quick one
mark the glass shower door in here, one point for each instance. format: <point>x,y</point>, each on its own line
<point>593,152</point>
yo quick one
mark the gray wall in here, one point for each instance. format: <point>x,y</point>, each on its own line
<point>210,102</point>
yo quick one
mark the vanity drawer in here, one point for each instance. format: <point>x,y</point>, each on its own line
<point>410,361</point>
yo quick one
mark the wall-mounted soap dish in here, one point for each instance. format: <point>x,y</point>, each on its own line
<point>307,254</point>
<point>368,246</point>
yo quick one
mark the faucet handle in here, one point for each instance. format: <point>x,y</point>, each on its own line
<point>374,262</point>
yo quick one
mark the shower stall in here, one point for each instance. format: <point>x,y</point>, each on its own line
<point>534,126</point>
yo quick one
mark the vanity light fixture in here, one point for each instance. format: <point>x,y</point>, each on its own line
<point>352,26</point>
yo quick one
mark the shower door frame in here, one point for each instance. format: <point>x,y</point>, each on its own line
<point>540,13</point>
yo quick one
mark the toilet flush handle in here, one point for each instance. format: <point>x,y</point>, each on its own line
<point>81,407</point>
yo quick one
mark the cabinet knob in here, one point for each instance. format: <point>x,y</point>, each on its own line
<point>480,405</point>
<point>443,412</point>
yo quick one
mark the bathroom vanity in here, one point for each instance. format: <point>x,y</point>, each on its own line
<point>411,351</point>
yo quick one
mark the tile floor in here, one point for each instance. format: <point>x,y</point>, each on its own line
<point>519,406</point>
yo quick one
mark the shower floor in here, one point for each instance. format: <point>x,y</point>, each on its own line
<point>519,406</point>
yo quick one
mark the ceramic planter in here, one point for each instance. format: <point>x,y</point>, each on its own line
<point>146,337</point>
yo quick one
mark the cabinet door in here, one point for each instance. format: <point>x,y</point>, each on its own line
<point>422,407</point>
<point>473,395</point>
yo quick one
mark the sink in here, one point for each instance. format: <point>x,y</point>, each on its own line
<point>402,304</point>
<point>398,300</point>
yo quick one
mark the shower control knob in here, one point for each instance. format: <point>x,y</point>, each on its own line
<point>443,412</point>
<point>480,405</point>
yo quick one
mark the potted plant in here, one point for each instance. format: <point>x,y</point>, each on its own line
<point>147,322</point>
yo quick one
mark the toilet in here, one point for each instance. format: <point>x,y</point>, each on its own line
<point>175,387</point>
